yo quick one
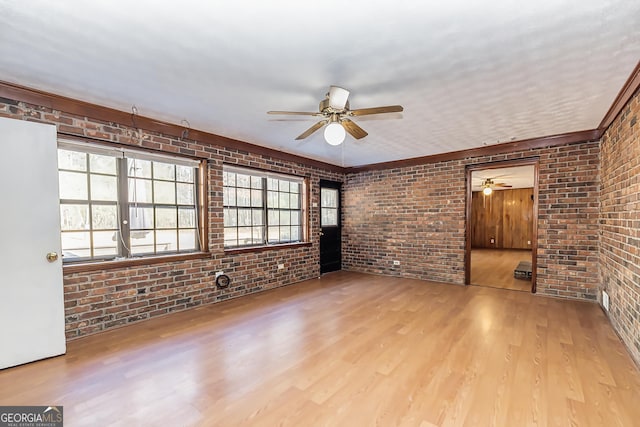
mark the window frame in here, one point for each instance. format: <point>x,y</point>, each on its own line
<point>122,155</point>
<point>303,209</point>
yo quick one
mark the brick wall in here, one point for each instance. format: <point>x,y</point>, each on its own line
<point>417,215</point>
<point>97,301</point>
<point>620,223</point>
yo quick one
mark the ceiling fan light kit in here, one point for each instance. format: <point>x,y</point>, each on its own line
<point>334,133</point>
<point>336,112</point>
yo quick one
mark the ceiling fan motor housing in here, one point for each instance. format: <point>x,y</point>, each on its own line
<point>326,109</point>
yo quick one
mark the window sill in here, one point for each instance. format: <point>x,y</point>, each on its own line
<point>242,250</point>
<point>131,262</point>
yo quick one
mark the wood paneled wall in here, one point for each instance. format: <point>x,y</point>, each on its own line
<point>506,216</point>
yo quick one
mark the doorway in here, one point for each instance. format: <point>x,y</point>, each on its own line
<point>501,224</point>
<point>330,226</point>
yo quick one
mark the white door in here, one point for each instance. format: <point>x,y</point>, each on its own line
<point>31,291</point>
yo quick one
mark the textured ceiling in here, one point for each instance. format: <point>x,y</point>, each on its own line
<point>467,73</point>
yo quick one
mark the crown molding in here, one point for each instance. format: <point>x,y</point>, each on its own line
<point>629,88</point>
<point>504,148</point>
<point>85,109</point>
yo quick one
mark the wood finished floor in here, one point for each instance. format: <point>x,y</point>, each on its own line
<point>494,268</point>
<point>347,350</point>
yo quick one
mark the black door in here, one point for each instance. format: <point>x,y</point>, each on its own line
<point>330,228</point>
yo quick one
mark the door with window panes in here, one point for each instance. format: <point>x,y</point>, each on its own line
<point>330,227</point>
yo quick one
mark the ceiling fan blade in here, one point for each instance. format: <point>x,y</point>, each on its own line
<point>354,130</point>
<point>312,129</point>
<point>338,97</point>
<point>297,113</point>
<point>377,110</point>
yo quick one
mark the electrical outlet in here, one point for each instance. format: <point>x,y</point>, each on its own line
<point>492,241</point>
<point>605,300</point>
<point>219,273</point>
<point>528,242</point>
<point>280,266</point>
<point>396,262</point>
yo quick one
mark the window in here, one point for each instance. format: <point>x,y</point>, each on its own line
<point>119,203</point>
<point>261,208</point>
<point>328,207</point>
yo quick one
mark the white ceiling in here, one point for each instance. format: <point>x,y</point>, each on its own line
<point>467,73</point>
<point>515,176</point>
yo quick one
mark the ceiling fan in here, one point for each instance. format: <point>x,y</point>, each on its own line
<point>488,185</point>
<point>335,113</point>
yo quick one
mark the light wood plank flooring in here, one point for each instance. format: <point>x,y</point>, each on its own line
<point>347,350</point>
<point>494,268</point>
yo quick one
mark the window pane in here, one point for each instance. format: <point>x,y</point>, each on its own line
<point>295,217</point>
<point>328,217</point>
<point>273,234</point>
<point>295,233</point>
<point>74,217</point>
<point>244,236</point>
<point>229,196</point>
<point>75,240</point>
<point>164,192</point>
<point>229,178</point>
<point>140,191</point>
<point>243,197</point>
<point>329,197</point>
<point>186,218</point>
<point>294,188</point>
<point>102,164</point>
<point>243,181</point>
<point>142,242</point>
<point>256,198</point>
<point>187,240</point>
<point>104,188</point>
<point>257,216</point>
<point>256,182</point>
<point>104,243</point>
<point>272,184</point>
<point>285,234</point>
<point>166,240</point>
<point>72,160</point>
<point>272,199</point>
<point>104,217</point>
<point>140,218</point>
<point>257,235</point>
<point>164,171</point>
<point>294,201</point>
<point>244,217</point>
<point>139,168</point>
<point>230,217</point>
<point>185,194</point>
<point>274,217</point>
<point>284,185</point>
<point>230,236</point>
<point>166,217</point>
<point>185,173</point>
<point>285,218</point>
<point>73,185</point>
<point>284,200</point>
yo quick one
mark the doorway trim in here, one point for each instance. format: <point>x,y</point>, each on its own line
<point>535,214</point>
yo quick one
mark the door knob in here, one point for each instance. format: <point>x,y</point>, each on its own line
<point>52,256</point>
<point>321,233</point>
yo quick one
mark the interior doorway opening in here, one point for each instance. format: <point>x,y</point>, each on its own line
<point>501,225</point>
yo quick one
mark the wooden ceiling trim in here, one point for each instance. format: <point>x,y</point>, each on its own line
<point>504,148</point>
<point>85,109</point>
<point>631,86</point>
